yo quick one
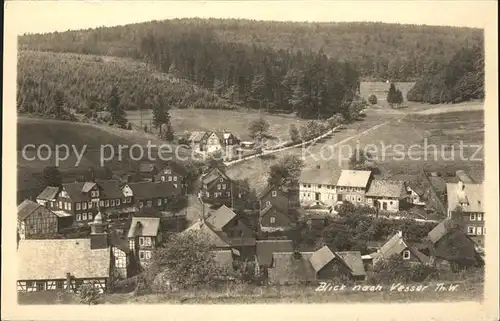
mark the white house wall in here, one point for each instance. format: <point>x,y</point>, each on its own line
<point>327,195</point>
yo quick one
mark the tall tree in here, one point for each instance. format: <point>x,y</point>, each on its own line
<point>161,113</point>
<point>286,172</point>
<point>51,176</point>
<point>258,129</point>
<point>58,104</point>
<point>116,109</point>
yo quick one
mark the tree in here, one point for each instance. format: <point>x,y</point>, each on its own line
<point>258,129</point>
<point>89,294</point>
<point>116,109</point>
<point>160,113</point>
<point>361,160</point>
<point>294,134</point>
<point>167,132</point>
<point>185,260</point>
<point>391,94</point>
<point>287,172</point>
<point>346,208</point>
<point>58,104</point>
<point>51,176</point>
<point>372,99</point>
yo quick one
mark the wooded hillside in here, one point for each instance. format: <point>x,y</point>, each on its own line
<point>379,51</point>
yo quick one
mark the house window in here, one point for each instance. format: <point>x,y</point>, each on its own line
<point>359,199</point>
<point>53,204</point>
<point>96,194</point>
<point>305,185</point>
<point>175,178</point>
<point>118,202</point>
<point>406,255</point>
<point>218,186</point>
<point>390,202</point>
<point>479,230</point>
<point>106,203</point>
<point>208,194</point>
<point>84,216</point>
<point>484,230</point>
<point>141,204</point>
<point>141,255</point>
<point>69,206</point>
<point>77,206</point>
<point>40,286</point>
<point>162,178</point>
<point>90,205</point>
<point>147,241</point>
<point>341,188</point>
<point>479,217</point>
<point>272,220</point>
<point>223,186</point>
<point>59,284</point>
<point>268,203</point>
<point>78,217</point>
<point>165,200</point>
<point>274,193</point>
<point>101,203</point>
<point>309,185</point>
<point>129,200</point>
<point>471,230</point>
<point>84,205</point>
<point>30,284</point>
<point>147,255</point>
<point>141,241</point>
<point>319,186</point>
<point>90,216</point>
<point>221,180</point>
<point>159,202</point>
<point>228,194</point>
<point>149,203</point>
<point>170,178</point>
<point>60,204</point>
<point>472,216</point>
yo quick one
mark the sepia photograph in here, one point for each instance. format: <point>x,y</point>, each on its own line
<point>216,153</point>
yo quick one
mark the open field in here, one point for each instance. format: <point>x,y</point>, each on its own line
<point>380,90</point>
<point>386,127</point>
<point>217,120</point>
<point>244,294</point>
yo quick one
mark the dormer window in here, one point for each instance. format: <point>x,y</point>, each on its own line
<point>406,255</point>
<point>221,180</point>
<point>268,203</point>
<point>472,216</point>
<point>274,193</point>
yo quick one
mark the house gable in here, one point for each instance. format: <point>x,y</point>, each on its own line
<point>127,191</point>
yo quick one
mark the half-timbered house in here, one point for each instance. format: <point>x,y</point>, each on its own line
<point>34,219</point>
<point>144,236</point>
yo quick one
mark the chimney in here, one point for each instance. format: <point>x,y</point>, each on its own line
<point>68,282</point>
<point>461,185</point>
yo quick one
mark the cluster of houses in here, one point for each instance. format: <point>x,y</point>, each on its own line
<point>122,240</point>
<point>318,189</point>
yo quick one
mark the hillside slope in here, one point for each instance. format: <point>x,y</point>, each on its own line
<point>380,51</point>
<point>86,82</point>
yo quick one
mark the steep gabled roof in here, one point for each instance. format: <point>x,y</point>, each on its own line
<point>148,190</point>
<point>52,259</point>
<point>353,261</point>
<point>212,175</point>
<point>221,217</point>
<point>471,194</point>
<point>26,208</point>
<point>197,136</point>
<point>49,193</point>
<point>208,232</point>
<point>291,267</point>
<point>321,176</point>
<point>147,167</point>
<point>439,230</point>
<point>354,178</point>
<point>144,226</point>
<point>320,258</point>
<point>266,248</point>
<point>110,188</point>
<point>385,188</point>
<point>75,191</point>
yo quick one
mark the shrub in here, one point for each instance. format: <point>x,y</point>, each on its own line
<point>88,294</point>
<point>372,99</point>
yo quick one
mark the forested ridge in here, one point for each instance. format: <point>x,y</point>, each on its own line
<point>461,79</point>
<point>379,51</point>
<point>310,69</point>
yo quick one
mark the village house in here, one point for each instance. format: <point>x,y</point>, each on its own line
<point>449,245</point>
<point>149,194</point>
<point>63,265</point>
<point>330,265</point>
<point>205,142</point>
<point>272,219</point>
<point>415,187</point>
<point>34,219</point>
<point>216,187</point>
<point>317,187</point>
<point>281,198</point>
<point>174,174</point>
<point>264,253</point>
<point>466,200</point>
<point>144,236</point>
<point>396,245</point>
<point>81,199</point>
<point>386,195</point>
<point>227,221</point>
<point>147,171</point>
<point>290,268</point>
<point>352,186</point>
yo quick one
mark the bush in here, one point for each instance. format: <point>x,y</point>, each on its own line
<point>372,99</point>
<point>88,294</point>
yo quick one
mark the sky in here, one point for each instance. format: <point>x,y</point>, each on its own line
<point>48,16</point>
